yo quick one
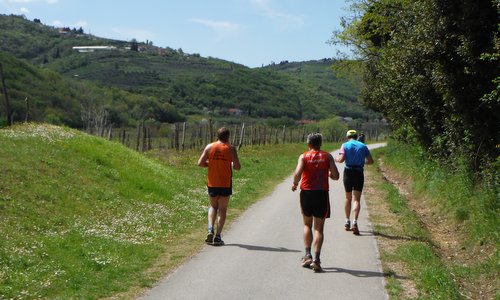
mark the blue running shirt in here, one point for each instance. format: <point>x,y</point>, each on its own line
<point>355,153</point>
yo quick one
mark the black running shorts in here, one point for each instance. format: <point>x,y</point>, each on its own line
<point>315,203</point>
<point>217,191</point>
<point>353,180</point>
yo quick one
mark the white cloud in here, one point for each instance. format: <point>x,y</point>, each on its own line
<point>219,26</point>
<point>286,20</point>
<point>57,23</point>
<point>24,10</point>
<point>51,1</point>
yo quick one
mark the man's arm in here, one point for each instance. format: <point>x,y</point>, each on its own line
<point>298,173</point>
<point>203,160</point>
<point>341,157</point>
<point>235,159</point>
<point>369,159</point>
<point>334,172</point>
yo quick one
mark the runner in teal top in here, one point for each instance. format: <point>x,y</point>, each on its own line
<point>355,154</point>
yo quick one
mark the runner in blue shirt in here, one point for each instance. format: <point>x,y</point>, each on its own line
<point>355,154</point>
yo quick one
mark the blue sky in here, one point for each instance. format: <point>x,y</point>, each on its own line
<point>249,32</point>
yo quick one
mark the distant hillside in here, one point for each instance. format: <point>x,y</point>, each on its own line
<point>191,84</point>
<point>56,99</point>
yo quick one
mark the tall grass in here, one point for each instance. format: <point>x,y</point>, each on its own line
<point>455,192</point>
<point>84,218</point>
<point>471,205</point>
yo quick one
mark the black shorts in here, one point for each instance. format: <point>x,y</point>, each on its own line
<point>353,180</point>
<point>315,203</point>
<point>218,191</point>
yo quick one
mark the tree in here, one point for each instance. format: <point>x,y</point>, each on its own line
<point>425,71</point>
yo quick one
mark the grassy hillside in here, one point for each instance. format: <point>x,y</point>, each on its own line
<point>85,218</point>
<point>192,84</point>
<point>57,99</point>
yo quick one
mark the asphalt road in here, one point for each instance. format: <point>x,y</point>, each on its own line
<point>264,247</point>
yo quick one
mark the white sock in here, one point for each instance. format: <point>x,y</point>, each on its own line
<point>354,221</point>
<point>347,220</point>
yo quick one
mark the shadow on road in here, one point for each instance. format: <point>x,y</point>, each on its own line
<point>361,273</point>
<point>262,248</point>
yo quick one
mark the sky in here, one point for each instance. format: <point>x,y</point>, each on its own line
<point>249,32</point>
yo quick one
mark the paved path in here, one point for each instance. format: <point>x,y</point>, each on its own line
<point>261,258</point>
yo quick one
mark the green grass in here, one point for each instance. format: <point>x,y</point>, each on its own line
<point>84,218</point>
<point>470,206</point>
<point>455,193</point>
<point>415,251</point>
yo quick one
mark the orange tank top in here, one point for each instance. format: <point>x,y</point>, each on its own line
<point>316,168</point>
<point>219,165</point>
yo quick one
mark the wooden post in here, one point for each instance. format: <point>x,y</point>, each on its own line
<point>122,139</point>
<point>176,136</point>
<point>284,134</point>
<point>6,95</point>
<point>242,133</point>
<point>138,137</point>
<point>183,134</point>
<point>251,140</point>
<point>110,132</point>
<point>276,136</point>
<point>27,100</point>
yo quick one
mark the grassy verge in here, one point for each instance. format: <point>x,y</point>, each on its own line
<point>429,239</point>
<point>85,218</point>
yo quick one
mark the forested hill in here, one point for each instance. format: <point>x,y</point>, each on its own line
<point>173,83</point>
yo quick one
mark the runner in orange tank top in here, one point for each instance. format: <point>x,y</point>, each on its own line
<point>220,157</point>
<point>314,168</point>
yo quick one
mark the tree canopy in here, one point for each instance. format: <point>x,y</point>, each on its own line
<point>432,68</point>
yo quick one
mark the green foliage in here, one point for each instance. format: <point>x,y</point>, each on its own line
<point>430,68</point>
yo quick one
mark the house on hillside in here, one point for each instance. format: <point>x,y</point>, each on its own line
<point>93,48</point>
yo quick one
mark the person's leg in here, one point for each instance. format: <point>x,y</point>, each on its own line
<point>347,205</point>
<point>357,204</point>
<point>308,236</point>
<point>319,224</point>
<point>212,211</point>
<point>223,202</point>
<point>356,209</point>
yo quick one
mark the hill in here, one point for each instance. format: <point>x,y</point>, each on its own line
<point>188,82</point>
<point>56,99</point>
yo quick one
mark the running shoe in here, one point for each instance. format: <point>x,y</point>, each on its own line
<point>210,237</point>
<point>306,261</point>
<point>355,229</point>
<point>347,225</point>
<point>218,241</point>
<point>316,266</point>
